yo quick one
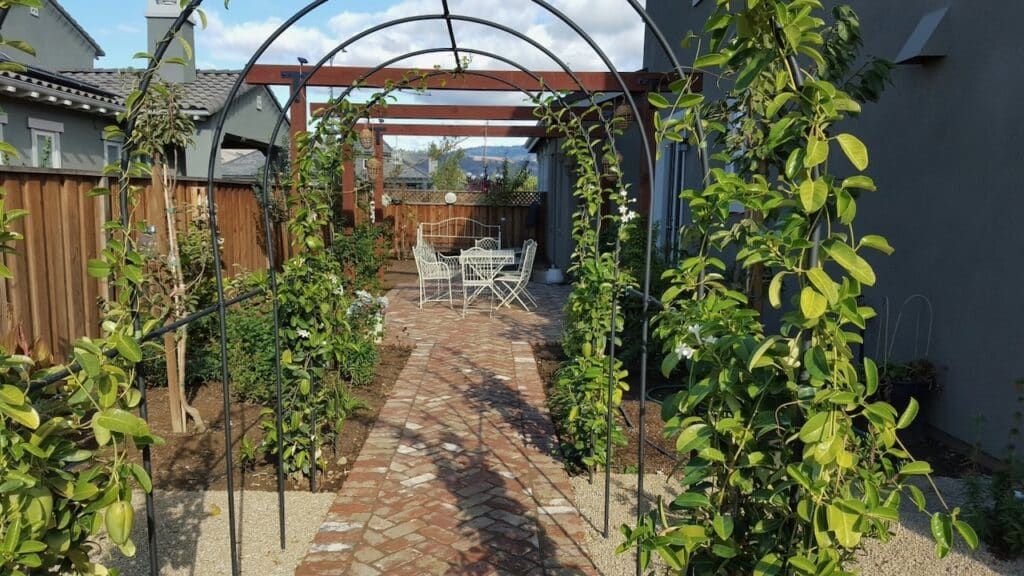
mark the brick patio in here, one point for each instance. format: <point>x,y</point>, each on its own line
<point>457,475</point>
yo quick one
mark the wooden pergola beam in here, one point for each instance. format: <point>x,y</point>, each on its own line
<point>465,130</point>
<point>443,112</point>
<point>344,76</point>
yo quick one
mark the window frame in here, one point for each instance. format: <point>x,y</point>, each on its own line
<point>55,151</point>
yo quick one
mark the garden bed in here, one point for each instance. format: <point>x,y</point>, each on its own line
<point>194,461</point>
<point>624,458</point>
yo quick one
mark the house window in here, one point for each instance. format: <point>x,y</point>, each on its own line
<point>3,120</point>
<point>111,152</point>
<point>45,149</point>
<point>45,143</point>
<point>259,102</point>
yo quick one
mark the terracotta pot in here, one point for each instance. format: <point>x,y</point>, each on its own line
<point>373,169</point>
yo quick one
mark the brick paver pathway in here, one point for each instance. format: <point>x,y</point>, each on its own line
<point>457,476</point>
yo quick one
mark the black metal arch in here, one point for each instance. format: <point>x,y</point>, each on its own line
<point>186,12</point>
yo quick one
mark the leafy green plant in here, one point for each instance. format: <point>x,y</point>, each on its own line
<point>996,507</point>
<point>589,385</point>
<point>777,479</point>
<point>363,254</point>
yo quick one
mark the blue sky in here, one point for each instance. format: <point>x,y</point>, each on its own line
<point>233,35</point>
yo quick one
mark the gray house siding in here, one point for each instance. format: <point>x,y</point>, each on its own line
<point>81,142</point>
<point>945,144</point>
<point>58,43</point>
<point>246,127</point>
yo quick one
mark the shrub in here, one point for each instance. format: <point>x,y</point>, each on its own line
<point>251,356</point>
<point>362,254</point>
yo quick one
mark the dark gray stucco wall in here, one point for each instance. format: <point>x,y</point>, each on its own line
<point>156,28</point>
<point>245,121</point>
<point>58,44</point>
<point>945,143</point>
<point>81,142</point>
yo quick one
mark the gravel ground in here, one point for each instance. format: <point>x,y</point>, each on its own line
<point>911,552</point>
<point>193,533</point>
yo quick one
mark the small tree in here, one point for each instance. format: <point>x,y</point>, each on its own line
<point>448,174</point>
<point>163,130</point>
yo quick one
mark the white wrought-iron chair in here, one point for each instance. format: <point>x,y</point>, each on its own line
<point>487,243</point>
<point>513,285</point>
<point>434,267</point>
<point>479,268</point>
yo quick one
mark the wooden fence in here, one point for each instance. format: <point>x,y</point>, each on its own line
<point>517,223</point>
<point>51,296</point>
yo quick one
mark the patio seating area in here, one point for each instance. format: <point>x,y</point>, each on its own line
<point>457,475</point>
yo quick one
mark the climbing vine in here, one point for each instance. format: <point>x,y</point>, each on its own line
<point>581,401</point>
<point>792,459</point>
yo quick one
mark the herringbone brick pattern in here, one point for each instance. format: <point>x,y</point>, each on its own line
<point>457,475</point>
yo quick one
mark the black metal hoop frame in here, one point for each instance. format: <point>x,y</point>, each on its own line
<point>223,302</point>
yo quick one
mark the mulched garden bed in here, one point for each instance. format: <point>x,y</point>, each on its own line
<point>196,461</point>
<point>624,458</point>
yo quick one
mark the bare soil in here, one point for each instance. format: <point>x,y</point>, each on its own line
<point>193,461</point>
<point>659,453</point>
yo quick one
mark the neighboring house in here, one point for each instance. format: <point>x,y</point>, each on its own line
<point>54,113</point>
<point>945,142</point>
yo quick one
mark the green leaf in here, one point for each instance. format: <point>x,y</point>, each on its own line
<point>814,429</point>
<point>118,420</point>
<point>24,414</point>
<point>817,152</point>
<point>878,243</point>
<point>852,262</point>
<point>916,468</point>
<point>812,304</point>
<point>775,290</point>
<point>694,437</point>
<point>917,496</point>
<point>127,347</point>
<point>777,103</point>
<point>723,526</point>
<point>842,522</point>
<point>967,533</point>
<point>813,194</point>
<point>755,359</point>
<point>769,565</point>
<point>98,268</point>
<point>657,100</point>
<point>823,282</point>
<point>804,565</point>
<point>691,500</point>
<point>870,376</point>
<point>795,162</point>
<point>142,477</point>
<point>942,531</point>
<point>908,415</point>
<point>816,363</point>
<point>861,182</point>
<point>709,60</point>
<point>855,150</point>
<point>12,395</point>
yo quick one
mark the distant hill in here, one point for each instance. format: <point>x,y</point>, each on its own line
<point>473,163</point>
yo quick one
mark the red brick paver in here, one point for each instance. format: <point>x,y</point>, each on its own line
<point>457,475</point>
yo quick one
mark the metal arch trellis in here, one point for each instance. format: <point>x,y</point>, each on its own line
<point>222,302</point>
<point>298,89</point>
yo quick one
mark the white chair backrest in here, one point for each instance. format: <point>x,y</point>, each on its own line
<point>487,243</point>
<point>529,253</point>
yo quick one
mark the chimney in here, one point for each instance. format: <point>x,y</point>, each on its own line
<point>160,14</point>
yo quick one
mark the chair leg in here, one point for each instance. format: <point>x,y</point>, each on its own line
<point>421,293</point>
<point>449,293</point>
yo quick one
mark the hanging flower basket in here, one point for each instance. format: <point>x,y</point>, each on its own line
<point>624,114</point>
<point>608,167</point>
<point>373,169</point>
<point>366,138</point>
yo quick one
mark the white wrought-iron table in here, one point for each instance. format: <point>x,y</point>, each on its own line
<point>479,269</point>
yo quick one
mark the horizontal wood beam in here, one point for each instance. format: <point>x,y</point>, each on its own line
<point>466,130</point>
<point>344,76</point>
<point>444,112</point>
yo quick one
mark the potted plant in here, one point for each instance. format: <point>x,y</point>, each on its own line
<point>898,383</point>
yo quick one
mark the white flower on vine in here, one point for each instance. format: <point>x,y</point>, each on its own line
<point>303,333</point>
<point>711,340</point>
<point>339,291</point>
<point>695,330</point>
<point>683,350</point>
<point>626,214</point>
<point>312,216</point>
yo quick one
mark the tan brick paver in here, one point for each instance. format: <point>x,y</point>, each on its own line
<point>457,475</point>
